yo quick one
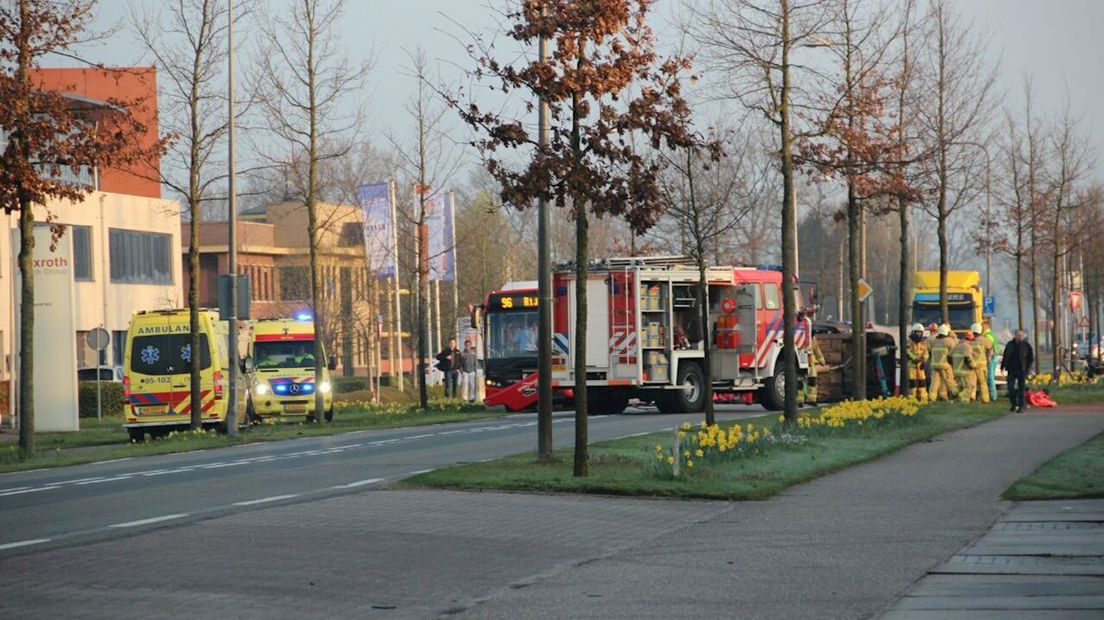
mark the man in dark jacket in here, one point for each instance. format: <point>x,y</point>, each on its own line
<point>448,362</point>
<point>1016,361</point>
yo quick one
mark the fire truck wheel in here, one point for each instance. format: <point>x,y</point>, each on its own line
<point>773,395</point>
<point>607,402</point>
<point>137,434</point>
<point>691,397</point>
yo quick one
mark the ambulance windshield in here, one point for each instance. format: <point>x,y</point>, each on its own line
<point>285,354</point>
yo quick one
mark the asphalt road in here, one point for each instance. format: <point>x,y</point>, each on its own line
<point>115,499</point>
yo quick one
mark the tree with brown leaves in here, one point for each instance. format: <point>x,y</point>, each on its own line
<point>47,133</point>
<point>604,85</point>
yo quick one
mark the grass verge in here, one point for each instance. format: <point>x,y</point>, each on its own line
<point>626,466</point>
<point>106,439</point>
<point>1074,474</point>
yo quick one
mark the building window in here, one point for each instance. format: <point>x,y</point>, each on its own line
<point>82,252</point>
<point>118,346</point>
<point>351,235</point>
<point>294,283</point>
<point>140,257</point>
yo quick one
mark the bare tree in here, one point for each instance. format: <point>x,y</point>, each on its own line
<point>303,83</point>
<point>751,43</point>
<point>954,120</point>
<point>1065,212</point>
<point>429,161</point>
<point>187,40</point>
<point>702,199</point>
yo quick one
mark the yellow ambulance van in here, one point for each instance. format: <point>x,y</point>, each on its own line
<point>284,358</point>
<point>157,372</point>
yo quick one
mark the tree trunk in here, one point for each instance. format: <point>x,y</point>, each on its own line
<point>858,325</point>
<point>903,290</point>
<point>1056,305</point>
<point>193,317</point>
<point>789,311</point>
<point>581,466</point>
<point>422,305</point>
<point>703,294</point>
<point>26,329</point>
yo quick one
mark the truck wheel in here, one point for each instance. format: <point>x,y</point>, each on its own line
<point>773,395</point>
<point>607,402</point>
<point>691,398</point>
<point>136,434</point>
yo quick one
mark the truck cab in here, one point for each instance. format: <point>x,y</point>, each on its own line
<point>964,299</point>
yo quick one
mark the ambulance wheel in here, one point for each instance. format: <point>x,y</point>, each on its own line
<point>136,434</point>
<point>329,414</point>
<point>691,398</point>
<point>773,395</point>
<point>607,402</point>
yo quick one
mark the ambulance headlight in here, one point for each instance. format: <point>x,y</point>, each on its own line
<point>261,389</point>
<point>325,387</point>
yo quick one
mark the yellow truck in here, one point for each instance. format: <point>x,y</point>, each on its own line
<point>283,362</point>
<point>157,372</point>
<point>965,299</point>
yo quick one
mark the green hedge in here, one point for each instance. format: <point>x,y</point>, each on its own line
<point>112,398</point>
<point>342,385</point>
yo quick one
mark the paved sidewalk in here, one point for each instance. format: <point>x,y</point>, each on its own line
<point>843,546</point>
<point>1040,560</point>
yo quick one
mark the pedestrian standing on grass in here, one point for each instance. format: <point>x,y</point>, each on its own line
<point>448,362</point>
<point>469,365</point>
<point>1017,359</point>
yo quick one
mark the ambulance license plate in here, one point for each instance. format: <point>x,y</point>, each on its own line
<point>154,410</point>
<point>295,408</point>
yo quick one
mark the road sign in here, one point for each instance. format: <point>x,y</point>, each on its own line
<point>989,305</point>
<point>98,339</point>
<point>865,290</point>
<point>1084,322</point>
<point>1075,300</point>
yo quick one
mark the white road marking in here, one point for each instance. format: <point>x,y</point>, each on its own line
<point>359,483</point>
<point>25,471</point>
<point>13,489</point>
<point>24,543</point>
<point>150,520</point>
<point>34,490</point>
<point>263,500</point>
<point>421,471</point>
<point>125,477</point>
<point>125,458</point>
<point>420,436</point>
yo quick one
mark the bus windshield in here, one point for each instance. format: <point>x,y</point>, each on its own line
<point>961,315</point>
<point>512,334</point>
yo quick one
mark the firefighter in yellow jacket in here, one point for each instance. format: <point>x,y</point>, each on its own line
<point>982,351</point>
<point>918,359</point>
<point>962,359</point>
<point>943,385</point>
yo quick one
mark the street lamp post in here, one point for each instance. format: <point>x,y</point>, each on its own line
<point>232,216</point>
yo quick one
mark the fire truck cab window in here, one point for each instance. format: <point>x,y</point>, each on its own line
<point>770,296</point>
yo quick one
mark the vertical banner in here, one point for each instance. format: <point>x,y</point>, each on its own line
<point>55,332</point>
<point>435,226</point>
<point>379,251</point>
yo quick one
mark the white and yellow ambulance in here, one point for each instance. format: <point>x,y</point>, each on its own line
<point>283,363</point>
<point>157,372</point>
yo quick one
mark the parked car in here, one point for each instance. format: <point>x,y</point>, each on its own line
<point>107,373</point>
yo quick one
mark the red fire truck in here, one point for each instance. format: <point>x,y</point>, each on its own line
<point>645,339</point>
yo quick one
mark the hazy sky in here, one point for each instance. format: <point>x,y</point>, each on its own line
<point>1048,40</point>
